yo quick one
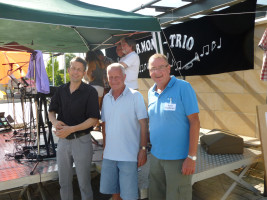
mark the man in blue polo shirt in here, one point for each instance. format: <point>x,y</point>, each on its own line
<point>174,131</point>
<point>124,119</point>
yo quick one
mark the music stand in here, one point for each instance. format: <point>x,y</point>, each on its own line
<point>40,101</point>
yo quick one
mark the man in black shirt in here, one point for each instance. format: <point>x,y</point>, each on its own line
<point>76,104</point>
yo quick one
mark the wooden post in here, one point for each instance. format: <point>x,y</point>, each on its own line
<point>262,121</point>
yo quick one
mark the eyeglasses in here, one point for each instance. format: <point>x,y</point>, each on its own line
<point>75,69</point>
<point>160,68</point>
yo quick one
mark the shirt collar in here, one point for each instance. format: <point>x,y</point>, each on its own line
<point>80,88</point>
<point>132,52</point>
<point>170,84</point>
<point>125,91</point>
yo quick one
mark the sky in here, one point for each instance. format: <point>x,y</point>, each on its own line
<point>125,5</point>
<point>129,5</point>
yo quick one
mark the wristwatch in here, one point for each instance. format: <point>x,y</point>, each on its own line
<point>143,147</point>
<point>192,157</point>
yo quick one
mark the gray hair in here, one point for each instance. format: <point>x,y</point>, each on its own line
<point>130,41</point>
<point>118,66</point>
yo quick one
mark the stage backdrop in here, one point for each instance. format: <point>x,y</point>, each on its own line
<point>209,45</point>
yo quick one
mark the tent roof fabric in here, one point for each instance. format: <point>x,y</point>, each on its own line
<point>58,26</point>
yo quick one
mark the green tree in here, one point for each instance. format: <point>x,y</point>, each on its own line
<point>58,74</point>
<point>68,57</point>
<point>49,70</point>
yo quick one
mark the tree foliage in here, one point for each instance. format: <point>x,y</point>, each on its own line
<point>58,74</point>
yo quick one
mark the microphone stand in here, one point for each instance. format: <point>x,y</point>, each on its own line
<point>37,110</point>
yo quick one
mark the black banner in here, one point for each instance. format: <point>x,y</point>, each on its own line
<point>213,44</point>
<point>209,45</point>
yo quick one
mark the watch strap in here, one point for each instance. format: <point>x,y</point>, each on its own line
<point>143,147</point>
<point>192,157</point>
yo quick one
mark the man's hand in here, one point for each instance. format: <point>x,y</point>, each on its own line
<point>189,166</point>
<point>141,157</point>
<point>64,131</point>
<point>59,124</point>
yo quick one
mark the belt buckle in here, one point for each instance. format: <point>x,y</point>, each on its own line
<point>74,135</point>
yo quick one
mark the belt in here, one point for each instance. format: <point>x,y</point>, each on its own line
<point>76,135</point>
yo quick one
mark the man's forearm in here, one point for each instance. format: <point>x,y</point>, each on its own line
<point>143,137</point>
<point>85,125</point>
<point>104,134</point>
<point>52,117</point>
<point>82,126</point>
<point>193,134</point>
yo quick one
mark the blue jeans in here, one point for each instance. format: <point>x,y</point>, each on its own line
<point>119,177</point>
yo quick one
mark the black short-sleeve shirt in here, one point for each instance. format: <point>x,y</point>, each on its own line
<point>75,108</point>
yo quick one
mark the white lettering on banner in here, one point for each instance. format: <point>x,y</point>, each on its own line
<point>185,36</point>
<point>137,49</point>
<point>143,67</point>
<point>143,45</point>
<point>147,45</point>
<point>181,42</point>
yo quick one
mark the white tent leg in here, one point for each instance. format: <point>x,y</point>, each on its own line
<point>158,42</point>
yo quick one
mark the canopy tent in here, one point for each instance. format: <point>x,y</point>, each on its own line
<point>68,25</point>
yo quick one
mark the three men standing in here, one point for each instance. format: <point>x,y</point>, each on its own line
<point>173,124</point>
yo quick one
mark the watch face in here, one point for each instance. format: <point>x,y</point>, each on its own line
<point>192,157</point>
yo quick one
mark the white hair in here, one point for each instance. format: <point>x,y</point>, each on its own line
<point>116,65</point>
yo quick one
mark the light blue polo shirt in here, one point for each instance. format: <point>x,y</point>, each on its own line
<point>122,126</point>
<point>168,122</point>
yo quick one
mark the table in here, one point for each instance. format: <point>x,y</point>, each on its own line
<point>213,165</point>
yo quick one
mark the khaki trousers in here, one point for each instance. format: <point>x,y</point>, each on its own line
<point>166,182</point>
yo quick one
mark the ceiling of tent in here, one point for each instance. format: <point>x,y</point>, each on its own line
<point>68,25</point>
<point>171,12</point>
<point>75,26</point>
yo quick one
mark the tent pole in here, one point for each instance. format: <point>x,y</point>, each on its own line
<point>53,72</point>
<point>158,42</point>
<point>144,5</point>
<point>103,42</point>
<point>83,39</point>
<point>64,65</point>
